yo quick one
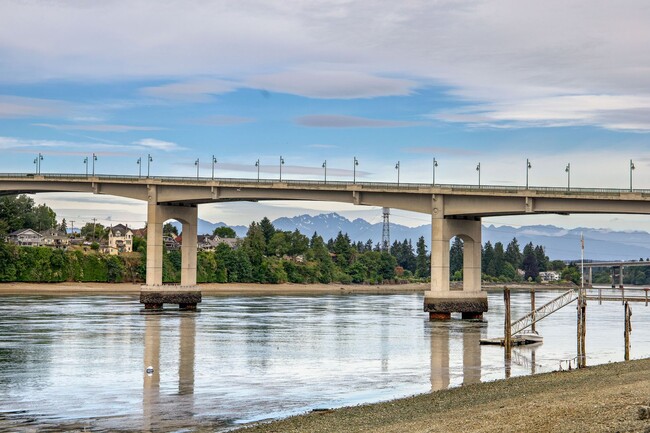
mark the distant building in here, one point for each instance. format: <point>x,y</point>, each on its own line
<point>25,238</point>
<point>55,239</point>
<point>170,243</point>
<point>210,243</point>
<point>120,240</point>
<point>549,276</point>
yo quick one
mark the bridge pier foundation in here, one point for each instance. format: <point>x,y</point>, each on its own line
<point>440,301</point>
<point>154,294</point>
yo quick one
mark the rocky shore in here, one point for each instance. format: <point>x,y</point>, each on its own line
<point>606,398</point>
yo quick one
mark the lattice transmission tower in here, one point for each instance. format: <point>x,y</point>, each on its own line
<point>385,233</point>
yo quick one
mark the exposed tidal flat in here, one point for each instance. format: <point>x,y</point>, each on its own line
<point>605,398</point>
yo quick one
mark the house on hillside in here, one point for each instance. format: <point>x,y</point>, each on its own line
<point>25,238</point>
<point>120,239</point>
<point>55,239</point>
<point>210,243</point>
<point>549,276</point>
<point>170,243</point>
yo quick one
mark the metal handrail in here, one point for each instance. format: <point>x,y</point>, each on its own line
<point>543,311</point>
<point>401,185</point>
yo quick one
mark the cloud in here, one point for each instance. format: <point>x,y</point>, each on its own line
<point>154,144</point>
<point>190,91</point>
<point>341,121</point>
<point>616,112</point>
<point>99,127</point>
<point>221,120</point>
<point>15,107</point>
<point>495,57</point>
<point>332,84</point>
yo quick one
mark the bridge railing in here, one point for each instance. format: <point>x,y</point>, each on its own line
<point>401,185</point>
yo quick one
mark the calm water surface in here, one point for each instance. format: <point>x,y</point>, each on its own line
<point>75,363</point>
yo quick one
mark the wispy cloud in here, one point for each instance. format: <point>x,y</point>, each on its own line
<point>341,121</point>
<point>190,91</point>
<point>15,107</point>
<point>154,144</point>
<point>98,127</point>
<point>616,112</point>
<point>332,84</point>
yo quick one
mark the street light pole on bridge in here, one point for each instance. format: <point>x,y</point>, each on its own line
<point>139,162</point>
<point>257,164</point>
<point>214,161</point>
<point>631,170</point>
<point>568,176</point>
<point>94,159</point>
<point>528,167</point>
<point>397,168</point>
<point>478,168</point>
<point>281,164</point>
<point>325,169</point>
<point>149,161</point>
<point>197,167</point>
<point>435,164</point>
<point>86,163</point>
<point>354,170</point>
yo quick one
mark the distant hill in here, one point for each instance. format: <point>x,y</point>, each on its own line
<point>560,243</point>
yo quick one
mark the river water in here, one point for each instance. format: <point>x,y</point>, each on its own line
<point>79,362</point>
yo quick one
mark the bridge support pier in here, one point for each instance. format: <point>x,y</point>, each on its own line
<point>441,300</point>
<point>154,294</point>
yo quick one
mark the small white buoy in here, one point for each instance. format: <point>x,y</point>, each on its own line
<point>150,370</point>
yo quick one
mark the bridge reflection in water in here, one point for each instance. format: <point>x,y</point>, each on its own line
<point>162,412</point>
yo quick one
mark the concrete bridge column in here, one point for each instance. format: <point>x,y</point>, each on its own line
<point>441,300</point>
<point>154,294</point>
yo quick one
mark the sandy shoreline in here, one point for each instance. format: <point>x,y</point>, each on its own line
<point>604,398</point>
<point>253,289</point>
<point>210,289</point>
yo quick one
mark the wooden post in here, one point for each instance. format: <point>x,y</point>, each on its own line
<point>581,331</point>
<point>506,323</point>
<point>628,330</point>
<point>532,308</point>
<point>507,343</point>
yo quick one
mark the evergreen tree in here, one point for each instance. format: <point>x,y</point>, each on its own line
<point>542,259</point>
<point>422,264</point>
<point>267,229</point>
<point>499,259</point>
<point>487,259</point>
<point>513,254</point>
<point>529,264</point>
<point>456,256</point>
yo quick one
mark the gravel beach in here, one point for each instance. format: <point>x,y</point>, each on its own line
<point>605,398</point>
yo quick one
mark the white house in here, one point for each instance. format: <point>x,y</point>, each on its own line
<point>26,238</point>
<point>120,239</point>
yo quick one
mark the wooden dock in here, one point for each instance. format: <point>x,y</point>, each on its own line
<point>501,341</point>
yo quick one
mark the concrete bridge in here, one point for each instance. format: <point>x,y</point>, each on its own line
<point>456,210</point>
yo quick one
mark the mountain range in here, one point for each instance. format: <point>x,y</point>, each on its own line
<point>559,243</point>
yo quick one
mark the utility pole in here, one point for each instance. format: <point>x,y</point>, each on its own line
<point>72,225</point>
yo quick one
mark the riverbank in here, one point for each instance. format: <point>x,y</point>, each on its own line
<point>603,398</point>
<point>211,289</point>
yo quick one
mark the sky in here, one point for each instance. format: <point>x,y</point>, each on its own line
<point>466,82</point>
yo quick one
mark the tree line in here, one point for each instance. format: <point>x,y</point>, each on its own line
<point>265,255</point>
